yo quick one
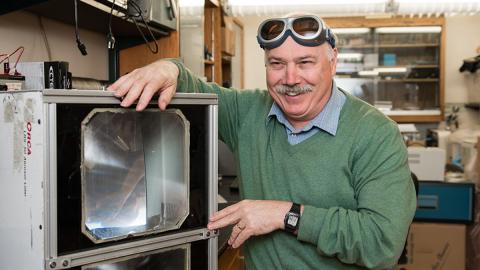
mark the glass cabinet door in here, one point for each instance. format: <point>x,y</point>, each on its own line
<point>396,69</point>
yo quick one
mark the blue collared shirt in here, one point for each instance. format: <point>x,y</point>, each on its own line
<point>326,120</point>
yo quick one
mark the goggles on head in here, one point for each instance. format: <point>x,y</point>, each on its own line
<point>305,30</point>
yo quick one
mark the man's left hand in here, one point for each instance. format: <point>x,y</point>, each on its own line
<point>251,217</point>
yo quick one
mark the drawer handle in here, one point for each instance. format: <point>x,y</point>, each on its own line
<point>427,202</point>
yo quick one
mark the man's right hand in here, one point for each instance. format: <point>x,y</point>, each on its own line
<point>142,83</point>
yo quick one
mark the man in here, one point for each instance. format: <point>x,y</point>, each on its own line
<point>324,175</point>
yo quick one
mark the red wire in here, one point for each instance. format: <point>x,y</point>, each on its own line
<point>18,58</point>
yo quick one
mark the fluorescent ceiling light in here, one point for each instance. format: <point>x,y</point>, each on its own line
<point>319,7</point>
<point>367,73</point>
<point>354,7</point>
<point>358,56</point>
<point>391,70</point>
<point>350,30</point>
<point>437,7</point>
<point>417,29</point>
<point>302,2</point>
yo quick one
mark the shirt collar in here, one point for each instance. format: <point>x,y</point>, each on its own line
<point>326,120</point>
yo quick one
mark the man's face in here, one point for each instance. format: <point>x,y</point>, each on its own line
<point>308,70</point>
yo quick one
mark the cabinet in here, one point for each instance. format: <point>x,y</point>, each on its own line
<point>232,53</point>
<point>213,41</point>
<point>395,65</point>
<point>231,259</point>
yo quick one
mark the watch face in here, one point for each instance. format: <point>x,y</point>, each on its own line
<point>292,220</point>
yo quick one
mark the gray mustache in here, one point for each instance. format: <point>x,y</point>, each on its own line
<point>296,89</point>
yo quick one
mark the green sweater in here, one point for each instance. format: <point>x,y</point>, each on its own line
<point>356,187</point>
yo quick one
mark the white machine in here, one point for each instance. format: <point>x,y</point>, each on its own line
<point>428,164</point>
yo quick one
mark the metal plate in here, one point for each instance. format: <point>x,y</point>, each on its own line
<point>135,172</point>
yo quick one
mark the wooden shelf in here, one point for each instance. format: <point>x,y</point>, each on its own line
<point>213,41</point>
<point>417,45</point>
<point>411,66</point>
<point>396,46</point>
<point>408,80</point>
<point>364,46</point>
<point>416,118</point>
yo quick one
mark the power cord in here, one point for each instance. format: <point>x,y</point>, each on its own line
<point>135,17</point>
<point>80,45</point>
<point>45,39</point>
<point>110,37</point>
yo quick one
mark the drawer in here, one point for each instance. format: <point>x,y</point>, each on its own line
<point>445,202</point>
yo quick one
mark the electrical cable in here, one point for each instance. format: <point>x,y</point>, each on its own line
<point>45,39</point>
<point>139,10</point>
<point>80,45</point>
<point>7,65</point>
<point>110,37</point>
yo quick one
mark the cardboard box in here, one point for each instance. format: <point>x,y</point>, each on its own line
<point>228,41</point>
<point>473,242</point>
<point>436,246</point>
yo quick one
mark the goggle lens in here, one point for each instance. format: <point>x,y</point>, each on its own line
<point>306,27</point>
<point>305,30</point>
<point>272,29</point>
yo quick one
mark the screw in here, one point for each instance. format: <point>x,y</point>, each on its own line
<point>65,263</point>
<point>208,234</point>
<point>53,264</point>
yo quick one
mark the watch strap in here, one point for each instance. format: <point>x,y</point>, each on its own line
<point>294,213</point>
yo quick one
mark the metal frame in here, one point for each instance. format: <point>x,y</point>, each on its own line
<point>186,247</point>
<point>52,260</point>
<point>107,97</point>
<point>50,208</point>
<point>127,249</point>
<point>213,180</point>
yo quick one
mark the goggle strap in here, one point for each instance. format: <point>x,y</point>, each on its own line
<point>330,37</point>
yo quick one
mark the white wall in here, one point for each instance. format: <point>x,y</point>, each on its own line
<point>254,75</point>
<point>23,29</point>
<point>462,40</point>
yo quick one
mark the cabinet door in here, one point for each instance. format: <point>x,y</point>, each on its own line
<point>396,69</point>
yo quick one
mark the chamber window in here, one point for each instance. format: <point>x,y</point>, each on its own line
<point>135,172</point>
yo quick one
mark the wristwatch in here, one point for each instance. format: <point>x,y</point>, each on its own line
<point>292,218</point>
